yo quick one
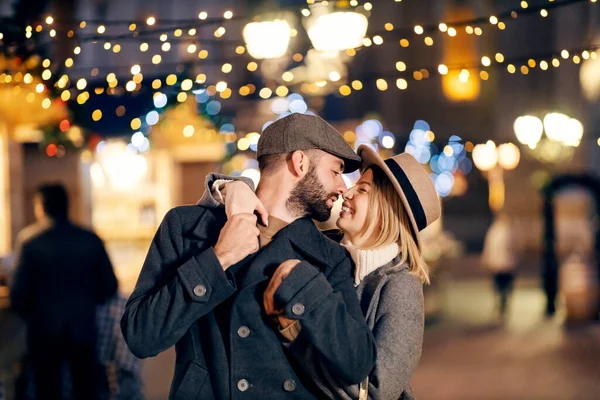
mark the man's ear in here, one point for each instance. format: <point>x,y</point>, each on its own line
<point>299,163</point>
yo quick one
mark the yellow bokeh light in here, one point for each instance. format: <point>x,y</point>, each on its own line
<point>81,84</point>
<point>156,59</point>
<point>401,66</point>
<point>178,33</point>
<point>65,95</point>
<point>499,57</point>
<point>166,46</point>
<point>401,83</point>
<point>282,91</point>
<point>287,76</point>
<point>47,74</point>
<point>240,50</point>
<point>130,86</point>
<point>226,68</point>
<point>345,90</point>
<point>484,75</point>
<point>136,123</point>
<point>543,65</point>
<point>357,85</point>
<point>252,66</point>
<point>192,48</point>
<point>442,69</point>
<point>132,27</point>
<point>171,79</point>
<point>144,47</point>
<point>244,91</point>
<point>69,62</point>
<point>428,41</point>
<point>151,21</point>
<point>221,86</point>
<point>101,29</point>
<point>511,68</point>
<point>187,84</point>
<point>404,43</point>
<point>227,14</point>
<point>225,94</point>
<point>203,15</point>
<point>243,144</point>
<point>265,93</point>
<point>381,84</point>
<point>202,54</point>
<point>201,78</point>
<point>46,103</point>
<point>156,84</point>
<point>116,48</point>
<point>97,115</point>
<point>389,27</point>
<point>107,46</point>
<point>181,97</point>
<point>136,69</point>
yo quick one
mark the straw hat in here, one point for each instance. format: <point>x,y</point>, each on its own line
<point>412,183</point>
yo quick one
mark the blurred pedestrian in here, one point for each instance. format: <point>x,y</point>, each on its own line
<point>501,256</point>
<point>62,272</point>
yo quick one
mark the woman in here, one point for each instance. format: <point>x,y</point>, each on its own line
<point>392,200</point>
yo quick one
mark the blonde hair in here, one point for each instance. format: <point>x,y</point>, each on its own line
<point>388,222</point>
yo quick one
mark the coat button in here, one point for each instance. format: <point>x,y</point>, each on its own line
<point>298,308</point>
<point>289,385</point>
<point>200,290</point>
<point>243,332</point>
<point>243,385</point>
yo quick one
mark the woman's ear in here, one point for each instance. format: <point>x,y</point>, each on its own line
<point>299,163</point>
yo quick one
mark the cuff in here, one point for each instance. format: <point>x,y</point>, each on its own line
<point>291,332</point>
<point>216,189</point>
<point>204,278</point>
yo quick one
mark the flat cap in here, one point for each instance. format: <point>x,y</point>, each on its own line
<point>305,132</point>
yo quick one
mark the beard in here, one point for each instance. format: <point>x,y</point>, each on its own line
<point>309,198</point>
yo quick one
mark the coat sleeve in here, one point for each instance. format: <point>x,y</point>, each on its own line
<point>333,326</point>
<point>208,200</point>
<point>172,292</point>
<point>398,333</point>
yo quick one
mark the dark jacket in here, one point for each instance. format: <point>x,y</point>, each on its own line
<point>62,273</point>
<point>182,284</point>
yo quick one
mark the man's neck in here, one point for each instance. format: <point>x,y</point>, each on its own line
<point>274,199</point>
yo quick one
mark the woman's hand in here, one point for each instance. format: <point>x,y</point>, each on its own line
<point>280,274</point>
<point>284,322</point>
<point>240,199</point>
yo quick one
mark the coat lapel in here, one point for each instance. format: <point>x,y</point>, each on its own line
<point>286,246</point>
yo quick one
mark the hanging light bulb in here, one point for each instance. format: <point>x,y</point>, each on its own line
<point>267,39</point>
<point>335,31</point>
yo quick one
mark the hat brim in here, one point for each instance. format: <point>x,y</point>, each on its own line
<point>369,158</point>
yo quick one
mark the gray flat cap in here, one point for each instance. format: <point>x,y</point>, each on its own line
<point>305,132</point>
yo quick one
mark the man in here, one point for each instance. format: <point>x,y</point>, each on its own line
<point>62,274</point>
<point>204,280</point>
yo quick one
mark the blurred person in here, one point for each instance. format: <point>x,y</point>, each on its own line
<point>381,215</point>
<point>62,272</point>
<point>201,286</point>
<point>500,256</point>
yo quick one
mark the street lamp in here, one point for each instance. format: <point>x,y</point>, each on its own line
<point>494,160</point>
<point>562,135</point>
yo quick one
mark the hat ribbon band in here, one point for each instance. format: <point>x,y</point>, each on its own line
<point>413,200</point>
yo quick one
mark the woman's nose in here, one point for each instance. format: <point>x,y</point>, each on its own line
<point>349,194</point>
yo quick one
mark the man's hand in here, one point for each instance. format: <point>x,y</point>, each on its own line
<point>280,274</point>
<point>237,240</point>
<point>240,199</point>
